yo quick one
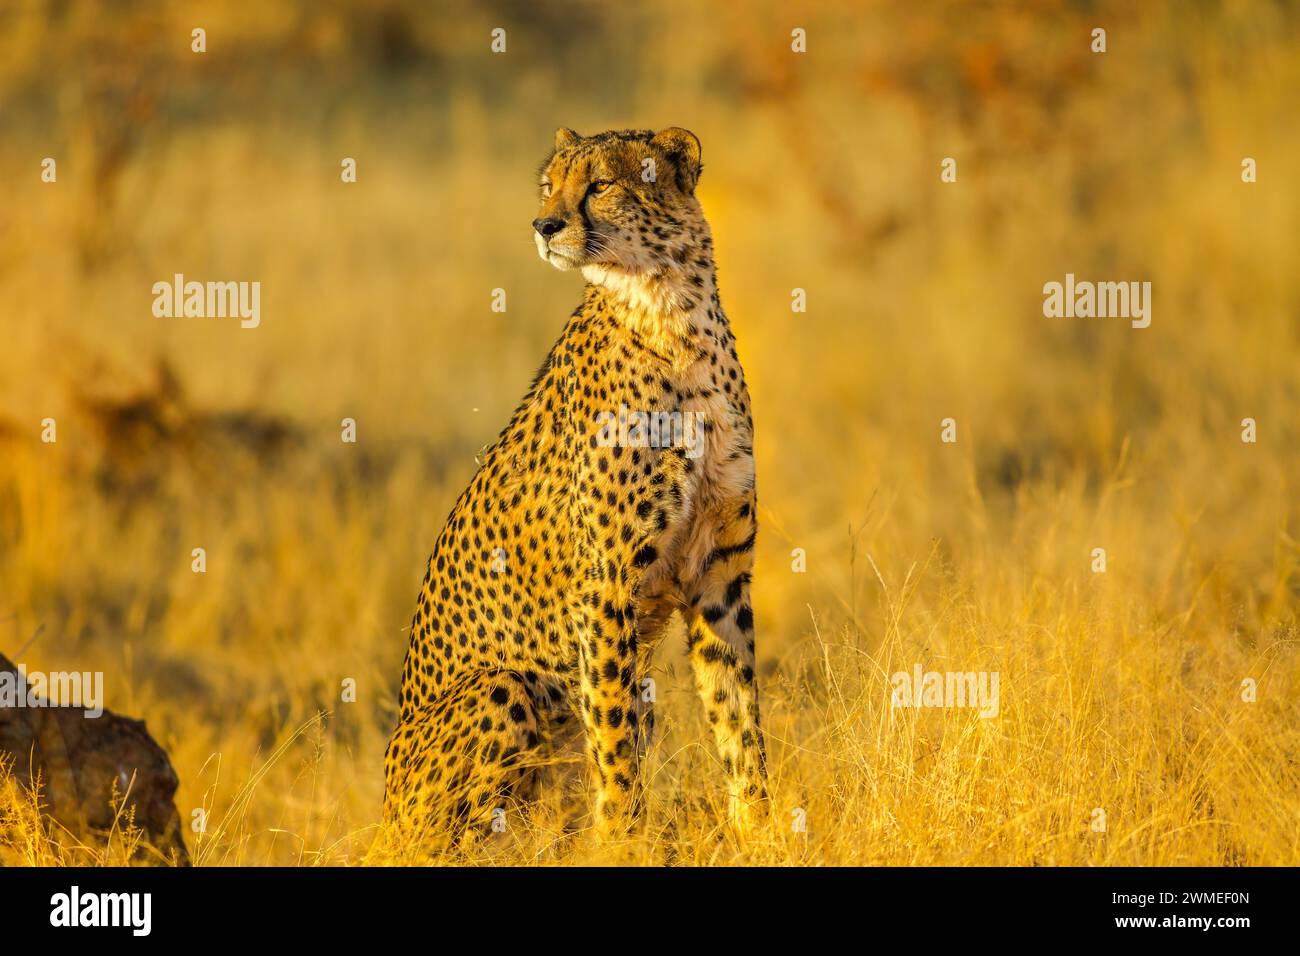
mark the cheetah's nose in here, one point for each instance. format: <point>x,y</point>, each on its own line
<point>548,227</point>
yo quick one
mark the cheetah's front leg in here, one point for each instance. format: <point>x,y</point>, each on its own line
<point>720,645</point>
<point>607,664</point>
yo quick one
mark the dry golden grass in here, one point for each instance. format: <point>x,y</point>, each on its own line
<point>1120,691</point>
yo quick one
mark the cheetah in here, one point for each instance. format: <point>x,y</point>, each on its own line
<point>562,563</point>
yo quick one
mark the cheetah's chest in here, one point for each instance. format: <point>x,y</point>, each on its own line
<point>717,469</point>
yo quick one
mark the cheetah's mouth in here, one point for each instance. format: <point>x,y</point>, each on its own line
<point>561,261</point>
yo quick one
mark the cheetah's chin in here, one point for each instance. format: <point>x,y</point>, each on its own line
<point>561,262</point>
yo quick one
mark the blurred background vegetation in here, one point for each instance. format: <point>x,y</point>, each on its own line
<point>924,302</point>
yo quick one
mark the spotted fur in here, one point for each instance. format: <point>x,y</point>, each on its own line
<point>562,562</point>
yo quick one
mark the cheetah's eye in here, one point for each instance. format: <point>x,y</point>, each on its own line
<point>600,185</point>
<point>546,190</point>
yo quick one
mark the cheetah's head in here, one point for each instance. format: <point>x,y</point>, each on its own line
<point>621,201</point>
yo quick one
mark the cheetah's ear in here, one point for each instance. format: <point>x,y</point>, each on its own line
<point>565,137</point>
<point>683,148</point>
